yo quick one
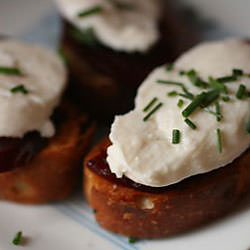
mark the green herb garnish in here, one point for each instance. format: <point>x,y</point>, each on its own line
<point>176,134</point>
<point>202,100</point>
<point>247,126</point>
<point>182,72</point>
<point>186,94</point>
<point>172,93</point>
<point>209,97</point>
<point>219,140</point>
<point>225,79</point>
<point>238,72</point>
<point>169,67</point>
<point>19,88</point>
<point>241,91</point>
<point>197,101</point>
<point>10,71</point>
<point>217,109</point>
<point>91,11</point>
<point>195,79</point>
<point>170,83</point>
<point>150,104</point>
<point>232,78</point>
<point>217,85</point>
<point>152,111</point>
<point>132,240</point>
<point>180,103</point>
<point>17,239</point>
<point>190,123</point>
<point>213,113</point>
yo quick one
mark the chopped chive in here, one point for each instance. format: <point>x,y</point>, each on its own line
<point>150,104</point>
<point>170,83</point>
<point>176,136</point>
<point>169,67</point>
<point>241,91</point>
<point>219,140</point>
<point>247,93</point>
<point>187,96</point>
<point>172,93</point>
<point>202,100</point>
<point>225,79</point>
<point>247,126</point>
<point>91,11</point>
<point>10,71</point>
<point>217,85</point>
<point>152,111</point>
<point>237,72</point>
<point>226,98</point>
<point>182,72</point>
<point>190,123</point>
<point>213,113</point>
<point>180,103</point>
<point>191,74</point>
<point>187,93</point>
<point>193,105</point>
<point>195,79</point>
<point>17,239</point>
<point>132,240</point>
<point>217,109</point>
<point>209,97</point>
<point>19,88</point>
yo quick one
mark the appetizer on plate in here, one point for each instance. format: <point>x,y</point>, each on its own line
<point>180,158</point>
<point>42,138</point>
<point>111,46</point>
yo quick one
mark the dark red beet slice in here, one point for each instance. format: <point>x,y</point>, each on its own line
<point>16,152</point>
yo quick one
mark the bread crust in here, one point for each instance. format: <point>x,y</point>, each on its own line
<point>54,172</point>
<point>176,209</point>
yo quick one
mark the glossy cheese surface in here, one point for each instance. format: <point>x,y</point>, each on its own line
<point>143,150</point>
<point>28,99</point>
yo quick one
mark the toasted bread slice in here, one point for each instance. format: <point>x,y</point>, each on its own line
<point>131,209</point>
<point>54,171</point>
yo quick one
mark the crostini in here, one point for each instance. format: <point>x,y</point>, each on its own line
<point>42,137</point>
<point>180,159</point>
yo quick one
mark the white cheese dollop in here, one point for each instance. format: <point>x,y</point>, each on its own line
<point>143,151</point>
<point>43,76</point>
<point>128,30</point>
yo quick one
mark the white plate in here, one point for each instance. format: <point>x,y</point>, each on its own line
<point>70,225</point>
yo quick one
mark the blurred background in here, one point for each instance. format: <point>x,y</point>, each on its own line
<point>37,20</point>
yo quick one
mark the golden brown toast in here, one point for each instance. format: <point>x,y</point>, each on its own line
<point>132,209</point>
<point>54,171</point>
